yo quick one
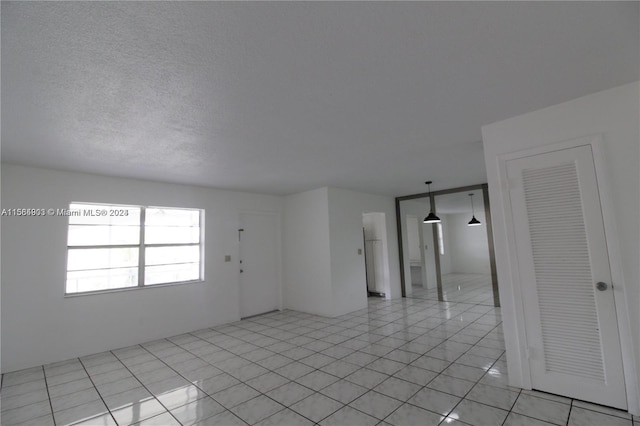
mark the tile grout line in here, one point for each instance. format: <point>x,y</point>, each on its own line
<point>154,395</point>
<point>318,369</point>
<point>147,389</point>
<point>449,365</point>
<point>512,405</point>
<point>241,381</point>
<point>315,370</point>
<point>478,381</point>
<point>570,410</point>
<point>98,392</point>
<point>383,319</point>
<point>46,386</point>
<point>377,322</point>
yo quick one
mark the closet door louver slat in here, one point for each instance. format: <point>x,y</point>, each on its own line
<point>553,198</point>
<point>560,253</point>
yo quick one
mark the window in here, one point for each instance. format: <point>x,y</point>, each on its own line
<point>115,247</point>
<point>440,239</point>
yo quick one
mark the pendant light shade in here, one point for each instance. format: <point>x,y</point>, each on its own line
<point>473,221</point>
<point>431,217</point>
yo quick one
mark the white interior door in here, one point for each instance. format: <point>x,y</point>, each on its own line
<point>259,289</point>
<point>570,319</point>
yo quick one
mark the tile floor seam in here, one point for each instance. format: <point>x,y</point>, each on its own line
<point>46,386</point>
<point>512,405</point>
<point>153,396</point>
<point>385,335</point>
<point>243,382</point>
<point>425,386</point>
<point>288,408</point>
<point>566,423</point>
<point>478,381</point>
<point>95,387</point>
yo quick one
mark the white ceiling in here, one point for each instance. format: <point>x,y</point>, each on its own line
<point>459,202</point>
<point>283,97</point>
<point>454,203</point>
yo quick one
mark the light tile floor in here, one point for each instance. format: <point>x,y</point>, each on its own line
<point>461,288</point>
<point>401,362</point>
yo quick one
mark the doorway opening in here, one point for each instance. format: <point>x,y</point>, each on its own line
<point>465,266</point>
<point>376,255</point>
<point>448,261</point>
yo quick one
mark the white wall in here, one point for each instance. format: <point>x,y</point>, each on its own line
<point>40,325</point>
<point>307,256</point>
<point>446,259</point>
<point>347,266</point>
<point>324,274</point>
<point>413,239</point>
<point>468,245</point>
<point>614,114</point>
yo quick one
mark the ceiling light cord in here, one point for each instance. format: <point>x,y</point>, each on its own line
<point>473,221</point>
<point>431,217</point>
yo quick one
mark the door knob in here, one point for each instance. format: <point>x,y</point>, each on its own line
<point>601,286</point>
<point>241,271</point>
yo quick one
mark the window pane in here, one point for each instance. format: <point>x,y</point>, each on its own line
<point>102,235</point>
<point>156,216</point>
<point>172,273</point>
<point>102,214</point>
<point>171,235</point>
<point>85,259</point>
<point>168,255</point>
<point>102,279</point>
<point>97,261</point>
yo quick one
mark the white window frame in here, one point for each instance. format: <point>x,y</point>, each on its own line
<point>141,246</point>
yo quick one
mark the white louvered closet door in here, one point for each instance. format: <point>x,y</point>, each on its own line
<point>572,332</point>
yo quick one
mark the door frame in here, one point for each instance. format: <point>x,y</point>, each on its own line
<point>436,252</point>
<point>522,366</point>
<point>423,259</point>
<point>279,271</point>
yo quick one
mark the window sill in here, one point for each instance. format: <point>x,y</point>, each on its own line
<point>118,290</point>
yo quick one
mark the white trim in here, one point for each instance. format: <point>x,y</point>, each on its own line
<point>522,368</point>
<point>523,377</point>
<point>617,276</point>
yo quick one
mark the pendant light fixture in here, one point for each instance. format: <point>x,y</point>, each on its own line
<point>431,217</point>
<point>473,221</point>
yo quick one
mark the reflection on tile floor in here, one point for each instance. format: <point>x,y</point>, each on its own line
<point>403,362</point>
<point>460,288</point>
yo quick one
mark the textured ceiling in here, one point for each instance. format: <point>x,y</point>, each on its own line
<point>283,97</point>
